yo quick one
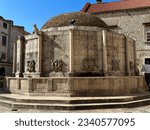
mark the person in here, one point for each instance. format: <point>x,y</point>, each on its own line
<point>2,74</point>
<point>146,69</point>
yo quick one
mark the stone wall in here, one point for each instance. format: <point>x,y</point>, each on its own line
<point>76,51</point>
<point>11,34</point>
<point>14,37</point>
<point>104,86</point>
<point>131,23</point>
<point>31,52</point>
<point>4,32</point>
<point>121,55</point>
<point>116,53</point>
<point>56,53</point>
<point>86,47</point>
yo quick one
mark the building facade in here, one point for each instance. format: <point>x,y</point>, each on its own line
<point>8,36</point>
<point>129,17</point>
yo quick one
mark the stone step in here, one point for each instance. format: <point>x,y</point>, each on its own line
<point>72,103</point>
<point>71,100</point>
<point>56,106</point>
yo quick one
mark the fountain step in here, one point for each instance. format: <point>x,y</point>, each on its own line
<point>16,101</point>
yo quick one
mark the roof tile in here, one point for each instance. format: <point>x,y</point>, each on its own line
<point>115,6</point>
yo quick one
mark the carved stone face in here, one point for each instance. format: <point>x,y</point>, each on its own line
<point>115,64</point>
<point>56,65</point>
<point>89,64</point>
<point>131,65</point>
<point>31,66</point>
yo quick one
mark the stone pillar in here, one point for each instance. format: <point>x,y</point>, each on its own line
<point>20,56</point>
<point>14,59</point>
<point>99,47</point>
<point>127,69</point>
<point>135,59</point>
<point>71,51</point>
<point>39,57</point>
<point>104,53</point>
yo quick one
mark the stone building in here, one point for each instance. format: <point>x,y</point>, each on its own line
<point>75,54</point>
<point>8,36</point>
<point>129,17</point>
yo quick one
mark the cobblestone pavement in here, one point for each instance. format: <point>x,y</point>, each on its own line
<point>143,109</point>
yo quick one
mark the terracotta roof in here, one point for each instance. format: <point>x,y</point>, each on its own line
<point>116,6</point>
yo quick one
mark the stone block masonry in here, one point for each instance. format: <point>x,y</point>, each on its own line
<point>77,86</point>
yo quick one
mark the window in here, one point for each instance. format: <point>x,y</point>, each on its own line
<point>147,60</point>
<point>5,25</point>
<point>3,56</point>
<point>147,32</point>
<point>4,40</point>
<point>148,36</point>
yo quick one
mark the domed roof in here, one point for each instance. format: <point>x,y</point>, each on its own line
<point>76,19</point>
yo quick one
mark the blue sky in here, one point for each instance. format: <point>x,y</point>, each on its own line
<point>29,12</point>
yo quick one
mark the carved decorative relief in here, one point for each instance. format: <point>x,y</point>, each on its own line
<point>115,64</point>
<point>56,65</point>
<point>89,64</point>
<point>131,64</point>
<point>115,60</point>
<point>31,66</point>
<point>36,30</point>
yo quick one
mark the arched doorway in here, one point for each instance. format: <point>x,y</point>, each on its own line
<point>2,71</point>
